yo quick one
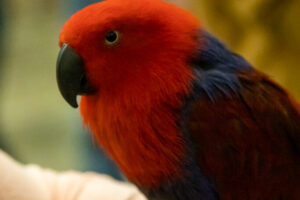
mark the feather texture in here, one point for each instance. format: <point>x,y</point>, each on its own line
<point>181,115</point>
<point>246,130</point>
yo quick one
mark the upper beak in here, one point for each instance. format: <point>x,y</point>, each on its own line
<point>71,76</point>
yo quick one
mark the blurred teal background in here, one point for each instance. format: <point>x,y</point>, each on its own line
<point>38,126</point>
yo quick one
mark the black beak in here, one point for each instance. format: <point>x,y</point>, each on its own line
<point>71,76</point>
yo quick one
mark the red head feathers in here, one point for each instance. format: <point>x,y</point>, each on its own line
<point>135,54</point>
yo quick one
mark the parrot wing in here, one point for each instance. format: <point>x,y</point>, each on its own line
<point>246,128</point>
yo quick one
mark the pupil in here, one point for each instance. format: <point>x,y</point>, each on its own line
<point>111,36</point>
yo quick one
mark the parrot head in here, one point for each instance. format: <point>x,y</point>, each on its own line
<point>128,59</point>
<point>117,44</point>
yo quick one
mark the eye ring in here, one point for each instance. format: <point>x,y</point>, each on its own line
<point>112,37</point>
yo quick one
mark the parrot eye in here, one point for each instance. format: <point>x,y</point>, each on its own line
<point>111,37</point>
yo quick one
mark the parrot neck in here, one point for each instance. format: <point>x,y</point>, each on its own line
<point>148,147</point>
<point>138,127</point>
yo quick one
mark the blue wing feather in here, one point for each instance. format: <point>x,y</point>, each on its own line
<point>215,68</point>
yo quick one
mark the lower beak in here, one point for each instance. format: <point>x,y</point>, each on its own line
<point>71,75</point>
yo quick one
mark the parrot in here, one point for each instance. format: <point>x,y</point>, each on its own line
<point>182,116</point>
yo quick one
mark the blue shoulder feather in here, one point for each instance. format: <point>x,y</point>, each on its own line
<point>216,69</point>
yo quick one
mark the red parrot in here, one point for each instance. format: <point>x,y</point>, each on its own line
<point>183,117</point>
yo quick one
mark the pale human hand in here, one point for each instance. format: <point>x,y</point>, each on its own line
<point>18,182</point>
